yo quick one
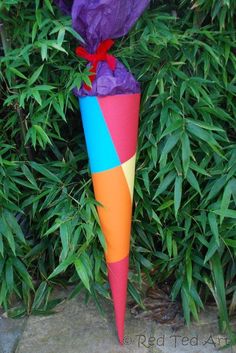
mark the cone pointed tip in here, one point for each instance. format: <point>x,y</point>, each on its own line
<point>121,341</point>
<point>118,276</point>
<point>120,333</point>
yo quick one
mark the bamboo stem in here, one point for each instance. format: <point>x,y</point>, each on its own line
<point>24,132</point>
<point>4,39</point>
<point>6,47</point>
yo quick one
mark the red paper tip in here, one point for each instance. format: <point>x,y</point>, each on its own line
<point>118,277</point>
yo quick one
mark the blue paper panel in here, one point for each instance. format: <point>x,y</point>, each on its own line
<point>101,150</point>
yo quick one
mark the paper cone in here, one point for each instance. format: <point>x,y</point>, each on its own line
<point>111,128</point>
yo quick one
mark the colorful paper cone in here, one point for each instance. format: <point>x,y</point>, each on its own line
<point>110,110</point>
<point>111,128</point>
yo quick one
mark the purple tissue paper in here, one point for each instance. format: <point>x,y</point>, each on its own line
<point>96,21</point>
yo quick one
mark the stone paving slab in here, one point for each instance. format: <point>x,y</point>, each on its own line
<point>200,337</point>
<point>79,328</point>
<point>195,339</point>
<point>10,333</point>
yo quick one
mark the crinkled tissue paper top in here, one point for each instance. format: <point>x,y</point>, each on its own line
<point>96,21</point>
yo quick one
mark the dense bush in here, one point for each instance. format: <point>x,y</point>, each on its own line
<point>184,223</point>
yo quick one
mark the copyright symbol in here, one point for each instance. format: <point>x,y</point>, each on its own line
<point>127,340</point>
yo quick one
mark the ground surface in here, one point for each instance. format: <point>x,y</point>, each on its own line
<point>79,328</point>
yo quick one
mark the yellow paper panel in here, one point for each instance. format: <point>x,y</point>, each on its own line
<point>129,171</point>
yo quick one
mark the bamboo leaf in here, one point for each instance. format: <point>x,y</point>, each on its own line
<point>35,75</point>
<point>178,194</point>
<point>44,171</point>
<point>186,153</point>
<point>214,226</point>
<point>62,266</point>
<point>225,201</point>
<point>17,73</point>
<point>193,181</point>
<point>81,270</point>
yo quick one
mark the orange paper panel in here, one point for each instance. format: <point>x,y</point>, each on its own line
<point>112,191</point>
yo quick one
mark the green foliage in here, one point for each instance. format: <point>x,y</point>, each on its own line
<point>184,223</point>
<point>186,170</point>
